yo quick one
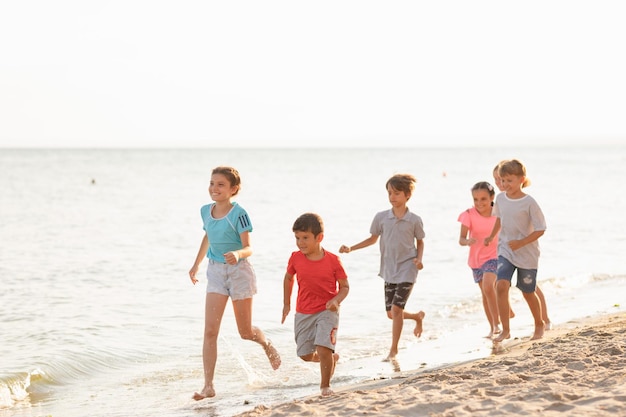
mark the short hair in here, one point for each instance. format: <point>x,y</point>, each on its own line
<point>309,222</point>
<point>514,167</point>
<point>402,182</point>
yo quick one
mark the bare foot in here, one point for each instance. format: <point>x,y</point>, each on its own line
<point>272,355</point>
<point>391,358</point>
<point>504,335</point>
<point>548,325</point>
<point>207,392</point>
<point>496,330</point>
<point>327,392</point>
<point>418,324</point>
<point>538,332</point>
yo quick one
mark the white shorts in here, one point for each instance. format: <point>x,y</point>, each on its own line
<point>236,281</point>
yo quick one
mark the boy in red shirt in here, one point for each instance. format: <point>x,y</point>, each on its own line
<point>322,286</point>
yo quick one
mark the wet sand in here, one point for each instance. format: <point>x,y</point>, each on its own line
<point>576,369</point>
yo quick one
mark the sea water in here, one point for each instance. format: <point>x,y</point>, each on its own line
<point>98,315</point>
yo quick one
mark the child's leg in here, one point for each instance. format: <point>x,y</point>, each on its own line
<point>213,313</point>
<point>396,314</point>
<point>243,317</point>
<point>327,360</point>
<point>504,275</point>
<point>396,296</point>
<point>419,319</point>
<point>490,303</point>
<point>502,296</point>
<point>485,305</point>
<point>527,282</point>
<point>316,335</point>
<point>535,308</point>
<point>544,308</point>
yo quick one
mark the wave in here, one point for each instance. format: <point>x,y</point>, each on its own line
<point>65,369</point>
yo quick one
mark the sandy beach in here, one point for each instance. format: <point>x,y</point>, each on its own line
<point>577,369</point>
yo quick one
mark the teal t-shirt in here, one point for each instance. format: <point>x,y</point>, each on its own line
<point>224,233</point>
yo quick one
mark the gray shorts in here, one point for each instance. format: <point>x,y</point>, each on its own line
<point>319,329</point>
<point>236,281</point>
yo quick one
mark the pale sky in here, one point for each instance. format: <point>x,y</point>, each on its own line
<point>144,73</point>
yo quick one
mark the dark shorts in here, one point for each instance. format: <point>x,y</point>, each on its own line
<point>397,294</point>
<point>526,278</point>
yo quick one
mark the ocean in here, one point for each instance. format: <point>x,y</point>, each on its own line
<point>98,315</point>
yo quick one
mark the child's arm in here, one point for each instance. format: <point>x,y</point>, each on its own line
<point>494,232</point>
<point>463,239</point>
<point>344,289</point>
<point>420,253</point>
<point>246,251</point>
<point>367,242</point>
<point>204,247</point>
<point>516,244</point>
<point>287,289</point>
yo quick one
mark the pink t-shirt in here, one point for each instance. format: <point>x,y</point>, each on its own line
<point>479,227</point>
<point>317,280</point>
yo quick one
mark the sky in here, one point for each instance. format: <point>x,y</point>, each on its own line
<point>192,73</point>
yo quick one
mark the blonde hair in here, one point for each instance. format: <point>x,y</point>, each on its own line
<point>514,167</point>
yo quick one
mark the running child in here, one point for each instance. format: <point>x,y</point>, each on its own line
<point>322,286</point>
<point>401,235</point>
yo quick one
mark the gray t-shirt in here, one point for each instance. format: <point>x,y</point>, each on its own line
<point>518,219</point>
<point>397,245</point>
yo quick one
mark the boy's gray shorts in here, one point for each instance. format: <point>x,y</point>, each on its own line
<point>319,329</point>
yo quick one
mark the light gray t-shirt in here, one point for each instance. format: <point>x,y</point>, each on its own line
<point>518,219</point>
<point>397,245</point>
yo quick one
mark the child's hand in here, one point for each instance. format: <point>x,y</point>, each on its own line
<point>488,240</point>
<point>232,257</point>
<point>286,310</point>
<point>192,274</point>
<point>332,305</point>
<point>418,263</point>
<point>344,249</point>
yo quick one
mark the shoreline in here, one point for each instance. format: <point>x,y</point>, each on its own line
<point>576,369</point>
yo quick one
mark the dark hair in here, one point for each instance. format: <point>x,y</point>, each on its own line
<point>402,182</point>
<point>231,174</point>
<point>309,222</point>
<point>484,185</point>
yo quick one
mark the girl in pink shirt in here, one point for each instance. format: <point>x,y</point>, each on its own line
<point>476,224</point>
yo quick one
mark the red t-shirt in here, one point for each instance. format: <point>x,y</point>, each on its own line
<point>317,280</point>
